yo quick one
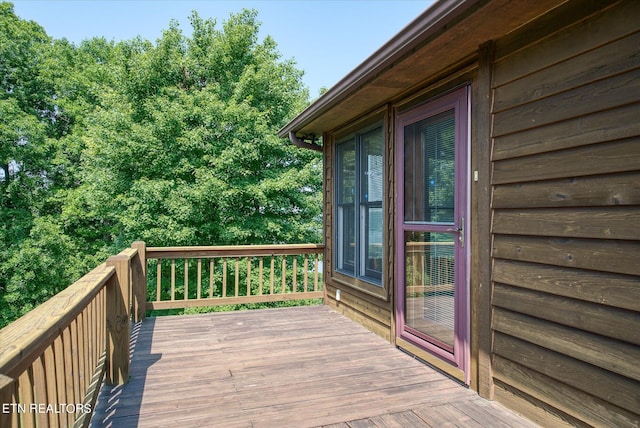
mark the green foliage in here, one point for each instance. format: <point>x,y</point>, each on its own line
<point>40,266</point>
<point>173,143</point>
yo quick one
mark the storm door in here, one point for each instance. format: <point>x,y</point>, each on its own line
<point>432,293</point>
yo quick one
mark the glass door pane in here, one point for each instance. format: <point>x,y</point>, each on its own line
<point>429,173</point>
<point>430,233</point>
<point>430,291</point>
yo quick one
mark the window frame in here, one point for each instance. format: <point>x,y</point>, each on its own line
<point>358,274</point>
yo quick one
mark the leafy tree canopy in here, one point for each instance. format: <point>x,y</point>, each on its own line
<point>173,142</point>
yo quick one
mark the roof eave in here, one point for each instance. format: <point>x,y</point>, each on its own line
<point>426,24</point>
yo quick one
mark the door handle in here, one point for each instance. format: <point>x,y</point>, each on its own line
<point>460,231</point>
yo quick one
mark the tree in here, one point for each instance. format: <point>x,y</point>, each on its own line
<point>174,143</point>
<point>24,108</point>
<point>32,247</point>
<point>187,153</point>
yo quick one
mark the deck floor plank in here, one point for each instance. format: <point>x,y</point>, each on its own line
<point>290,367</point>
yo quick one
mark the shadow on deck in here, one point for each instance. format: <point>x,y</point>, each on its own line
<point>291,367</point>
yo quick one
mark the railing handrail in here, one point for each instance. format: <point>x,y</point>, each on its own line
<point>232,251</point>
<point>68,344</point>
<point>60,351</point>
<point>199,290</point>
<point>23,340</point>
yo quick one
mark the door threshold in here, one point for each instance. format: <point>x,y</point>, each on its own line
<point>431,360</point>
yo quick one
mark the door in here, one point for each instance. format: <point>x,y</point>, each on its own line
<point>432,300</point>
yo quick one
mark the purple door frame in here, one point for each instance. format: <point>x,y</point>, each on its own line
<point>459,100</point>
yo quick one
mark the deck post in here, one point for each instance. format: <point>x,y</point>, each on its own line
<point>118,328</point>
<point>139,281</point>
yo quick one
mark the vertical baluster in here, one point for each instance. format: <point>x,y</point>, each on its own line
<point>211,283</point>
<point>25,394</point>
<point>173,279</point>
<point>306,272</point>
<point>422,262</point>
<point>50,382</point>
<point>92,340</point>
<point>237,289</point>
<point>260,273</point>
<point>433,272</point>
<point>158,280</point>
<point>9,395</point>
<point>101,318</point>
<point>295,275</point>
<point>315,275</point>
<point>58,362</point>
<point>414,266</point>
<point>224,277</point>
<point>82,374</point>
<point>272,275</point>
<point>88,348</point>
<point>249,276</point>
<point>92,334</point>
<point>199,279</point>
<point>67,346</point>
<point>40,389</point>
<point>284,274</point>
<point>104,319</point>
<point>88,345</point>
<point>186,279</point>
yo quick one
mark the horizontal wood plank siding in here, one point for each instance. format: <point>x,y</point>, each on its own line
<point>565,214</point>
<point>621,256</point>
<point>602,158</point>
<point>589,191</point>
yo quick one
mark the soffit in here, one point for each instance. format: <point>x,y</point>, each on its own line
<point>393,75</point>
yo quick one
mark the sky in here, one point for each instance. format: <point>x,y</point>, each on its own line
<point>326,38</point>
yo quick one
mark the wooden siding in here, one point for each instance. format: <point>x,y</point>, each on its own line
<point>565,215</point>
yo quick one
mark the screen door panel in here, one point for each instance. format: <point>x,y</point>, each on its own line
<point>430,291</point>
<point>432,287</point>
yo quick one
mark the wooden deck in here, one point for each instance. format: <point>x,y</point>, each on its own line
<point>292,367</point>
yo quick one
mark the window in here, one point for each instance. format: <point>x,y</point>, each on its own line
<point>359,189</point>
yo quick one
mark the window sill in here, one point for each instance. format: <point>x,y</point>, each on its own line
<point>371,286</point>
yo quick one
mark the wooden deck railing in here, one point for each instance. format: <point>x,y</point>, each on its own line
<point>429,267</point>
<point>54,359</point>
<point>227,275</point>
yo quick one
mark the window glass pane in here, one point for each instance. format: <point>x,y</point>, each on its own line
<point>429,169</point>
<point>373,257</point>
<point>346,195</point>
<point>346,172</point>
<point>346,238</point>
<point>371,166</point>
